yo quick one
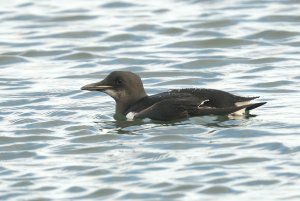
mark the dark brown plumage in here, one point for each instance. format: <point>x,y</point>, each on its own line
<point>132,101</point>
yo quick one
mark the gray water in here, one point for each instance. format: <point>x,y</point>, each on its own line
<point>60,143</point>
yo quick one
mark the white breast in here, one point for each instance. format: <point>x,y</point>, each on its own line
<point>130,116</point>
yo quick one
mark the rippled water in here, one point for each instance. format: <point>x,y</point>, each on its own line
<point>57,142</point>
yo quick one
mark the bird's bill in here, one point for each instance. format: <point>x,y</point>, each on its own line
<point>98,86</point>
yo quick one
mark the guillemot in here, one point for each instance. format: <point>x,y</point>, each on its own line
<point>127,89</point>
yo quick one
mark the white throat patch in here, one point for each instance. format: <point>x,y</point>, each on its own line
<point>111,92</point>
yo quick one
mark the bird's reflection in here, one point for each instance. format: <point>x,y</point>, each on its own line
<point>134,127</point>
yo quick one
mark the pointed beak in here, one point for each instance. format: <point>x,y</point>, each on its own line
<point>98,86</point>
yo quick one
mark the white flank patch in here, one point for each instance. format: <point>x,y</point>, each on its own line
<point>203,102</point>
<point>242,103</point>
<point>242,111</point>
<point>239,112</point>
<point>130,116</point>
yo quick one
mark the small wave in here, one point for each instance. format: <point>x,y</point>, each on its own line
<point>176,31</point>
<point>271,146</point>
<point>78,56</point>
<point>70,34</point>
<point>202,63</point>
<point>42,53</point>
<point>214,24</point>
<point>273,35</point>
<point>211,43</point>
<point>22,101</point>
<point>280,18</point>
<point>70,18</point>
<point>93,138</point>
<point>17,154</point>
<point>118,4</point>
<point>143,27</point>
<point>273,84</point>
<point>103,192</point>
<point>124,37</point>
<point>48,124</point>
<point>7,59</point>
<point>244,160</point>
<point>32,138</point>
<point>132,61</point>
<point>242,133</point>
<point>26,17</point>
<point>259,182</point>
<point>167,138</point>
<point>219,190</point>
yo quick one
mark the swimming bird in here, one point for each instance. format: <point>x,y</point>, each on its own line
<point>127,89</point>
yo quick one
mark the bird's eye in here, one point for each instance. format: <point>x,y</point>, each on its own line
<point>118,81</point>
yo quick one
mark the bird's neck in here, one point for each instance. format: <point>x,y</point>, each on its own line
<point>123,106</point>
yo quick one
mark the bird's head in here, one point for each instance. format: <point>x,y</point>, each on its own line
<point>123,86</point>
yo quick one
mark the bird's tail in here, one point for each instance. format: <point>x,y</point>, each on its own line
<point>254,105</point>
<point>227,110</point>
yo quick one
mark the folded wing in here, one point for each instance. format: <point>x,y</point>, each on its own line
<point>171,109</point>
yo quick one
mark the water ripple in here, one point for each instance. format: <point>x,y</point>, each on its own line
<point>273,35</point>
<point>10,59</point>
<point>211,43</point>
<point>118,4</point>
<point>70,18</point>
<point>60,143</point>
<point>78,56</point>
<point>125,37</point>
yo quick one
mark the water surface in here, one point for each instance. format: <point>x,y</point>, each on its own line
<point>60,143</point>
